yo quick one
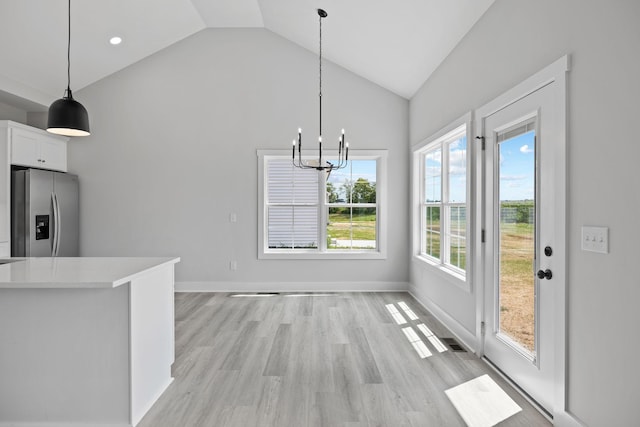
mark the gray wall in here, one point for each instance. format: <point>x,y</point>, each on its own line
<point>512,41</point>
<point>9,112</point>
<point>173,153</point>
<point>35,119</point>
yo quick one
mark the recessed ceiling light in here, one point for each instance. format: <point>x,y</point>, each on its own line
<point>115,40</point>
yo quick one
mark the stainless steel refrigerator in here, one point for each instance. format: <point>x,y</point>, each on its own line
<point>44,214</point>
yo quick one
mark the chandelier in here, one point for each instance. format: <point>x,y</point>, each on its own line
<point>343,148</point>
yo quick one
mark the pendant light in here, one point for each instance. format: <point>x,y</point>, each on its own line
<point>66,115</point>
<point>343,148</point>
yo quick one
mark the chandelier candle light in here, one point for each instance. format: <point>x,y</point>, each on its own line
<point>343,148</point>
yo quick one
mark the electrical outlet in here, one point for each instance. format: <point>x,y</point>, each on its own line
<point>233,217</point>
<point>595,239</point>
<point>233,265</point>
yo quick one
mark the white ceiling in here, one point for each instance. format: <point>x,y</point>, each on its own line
<point>396,44</point>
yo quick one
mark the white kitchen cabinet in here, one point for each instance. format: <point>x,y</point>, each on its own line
<point>35,148</point>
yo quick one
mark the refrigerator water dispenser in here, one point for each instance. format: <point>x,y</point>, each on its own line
<point>42,227</point>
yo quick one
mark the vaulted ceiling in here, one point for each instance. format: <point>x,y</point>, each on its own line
<point>396,44</point>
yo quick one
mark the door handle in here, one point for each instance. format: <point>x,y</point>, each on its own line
<point>546,274</point>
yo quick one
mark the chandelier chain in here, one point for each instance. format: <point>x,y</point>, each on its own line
<point>321,164</point>
<point>320,73</point>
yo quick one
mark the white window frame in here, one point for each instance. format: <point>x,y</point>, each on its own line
<point>441,139</point>
<point>321,252</point>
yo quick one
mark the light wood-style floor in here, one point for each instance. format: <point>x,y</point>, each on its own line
<point>296,361</point>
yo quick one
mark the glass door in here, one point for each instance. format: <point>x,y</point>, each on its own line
<point>520,218</point>
<point>516,229</point>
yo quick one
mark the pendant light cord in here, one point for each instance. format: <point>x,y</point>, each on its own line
<point>69,51</point>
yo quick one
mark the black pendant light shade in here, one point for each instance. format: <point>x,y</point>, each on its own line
<point>66,115</point>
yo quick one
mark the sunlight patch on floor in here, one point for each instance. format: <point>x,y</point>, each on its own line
<point>416,342</point>
<point>432,338</point>
<point>396,314</point>
<point>408,311</point>
<point>481,402</point>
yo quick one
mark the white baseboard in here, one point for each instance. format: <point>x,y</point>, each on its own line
<point>457,329</point>
<point>291,286</point>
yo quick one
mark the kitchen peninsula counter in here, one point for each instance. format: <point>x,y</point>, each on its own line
<point>79,272</point>
<point>84,341</point>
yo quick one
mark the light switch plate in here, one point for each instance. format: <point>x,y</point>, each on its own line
<point>595,239</point>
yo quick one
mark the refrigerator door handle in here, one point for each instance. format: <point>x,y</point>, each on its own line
<point>56,225</point>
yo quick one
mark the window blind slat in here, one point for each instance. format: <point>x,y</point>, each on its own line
<point>287,184</point>
<point>293,226</point>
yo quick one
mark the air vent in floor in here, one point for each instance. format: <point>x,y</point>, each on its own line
<point>256,294</point>
<point>453,345</point>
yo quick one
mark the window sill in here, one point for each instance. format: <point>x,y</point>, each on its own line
<point>447,274</point>
<point>353,255</point>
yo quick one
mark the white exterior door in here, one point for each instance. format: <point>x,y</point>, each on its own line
<point>524,239</point>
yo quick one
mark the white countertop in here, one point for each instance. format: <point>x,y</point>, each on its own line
<point>81,272</point>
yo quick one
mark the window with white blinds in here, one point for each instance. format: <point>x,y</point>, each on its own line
<point>292,206</point>
<point>305,213</point>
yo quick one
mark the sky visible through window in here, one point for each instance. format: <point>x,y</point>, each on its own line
<point>517,170</point>
<point>354,170</point>
<point>517,167</point>
<point>458,170</point>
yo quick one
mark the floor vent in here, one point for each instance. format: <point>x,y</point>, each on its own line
<point>256,294</point>
<point>453,345</point>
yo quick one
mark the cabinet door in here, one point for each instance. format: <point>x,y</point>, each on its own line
<point>24,148</point>
<point>53,154</point>
<point>37,150</point>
